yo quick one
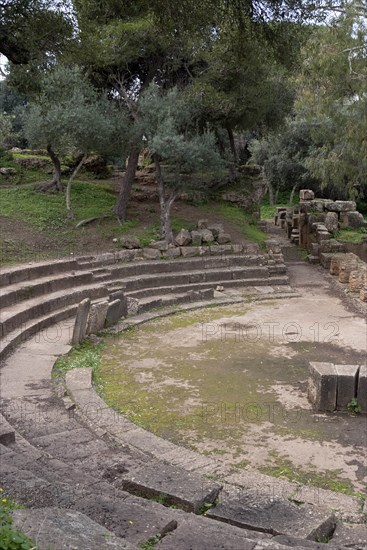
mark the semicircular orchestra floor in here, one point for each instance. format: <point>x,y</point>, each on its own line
<point>232,381</point>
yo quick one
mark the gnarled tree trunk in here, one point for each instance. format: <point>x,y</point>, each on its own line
<point>55,184</point>
<point>126,185</point>
<point>165,203</point>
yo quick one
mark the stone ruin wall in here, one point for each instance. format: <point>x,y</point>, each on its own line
<point>313,223</point>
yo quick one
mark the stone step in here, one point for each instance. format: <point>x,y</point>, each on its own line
<point>276,516</point>
<point>58,529</point>
<point>126,269</point>
<point>27,272</point>
<point>20,313</point>
<point>202,533</point>
<point>164,300</point>
<point>33,326</point>
<point>45,285</point>
<point>214,276</point>
<point>168,484</point>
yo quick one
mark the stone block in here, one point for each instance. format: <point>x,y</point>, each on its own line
<point>332,222</point>
<point>97,317</point>
<point>315,249</point>
<point>358,279</point>
<point>340,206</point>
<point>132,305</point>
<point>159,245</point>
<point>335,263</point>
<point>347,385</point>
<point>129,242</point>
<point>81,320</point>
<point>348,264</point>
<point>151,254</point>
<point>204,250</point>
<point>313,259</point>
<point>355,220</point>
<point>207,236</point>
<point>189,251</point>
<point>196,238</point>
<point>216,229</point>
<point>60,528</point>
<point>183,238</point>
<point>113,312</point>
<point>363,294</point>
<point>322,386</point>
<point>223,238</point>
<point>362,388</point>
<point>323,235</point>
<point>332,245</point>
<point>220,249</point>
<point>172,252</point>
<point>306,195</point>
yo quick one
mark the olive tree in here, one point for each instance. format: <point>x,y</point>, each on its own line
<point>69,116</point>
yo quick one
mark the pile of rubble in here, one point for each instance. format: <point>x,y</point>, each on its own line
<point>186,243</point>
<point>313,223</point>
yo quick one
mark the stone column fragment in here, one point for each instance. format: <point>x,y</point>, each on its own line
<point>80,327</point>
<point>97,317</point>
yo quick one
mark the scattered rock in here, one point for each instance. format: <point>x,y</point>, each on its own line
<point>159,245</point>
<point>183,238</point>
<point>129,242</point>
<point>203,224</point>
<point>207,236</point>
<point>7,171</point>
<point>223,238</point>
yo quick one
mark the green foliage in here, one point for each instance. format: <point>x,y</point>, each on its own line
<point>332,96</point>
<point>282,155</point>
<point>71,117</point>
<point>10,538</point>
<point>354,407</point>
<point>150,543</point>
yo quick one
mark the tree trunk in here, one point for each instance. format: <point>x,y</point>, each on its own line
<point>55,184</point>
<point>126,185</point>
<point>232,144</point>
<point>69,211</point>
<point>165,204</point>
<point>276,195</point>
<point>57,168</point>
<point>292,193</point>
<point>271,194</point>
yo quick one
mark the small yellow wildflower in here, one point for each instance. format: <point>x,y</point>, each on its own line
<point>3,500</point>
<point>131,522</point>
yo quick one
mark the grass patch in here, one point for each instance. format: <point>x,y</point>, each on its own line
<point>237,215</point>
<point>48,212</point>
<point>268,211</point>
<point>284,469</point>
<point>354,236</point>
<point>85,355</point>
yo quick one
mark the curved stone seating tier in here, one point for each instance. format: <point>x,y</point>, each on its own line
<point>33,296</point>
<point>109,480</point>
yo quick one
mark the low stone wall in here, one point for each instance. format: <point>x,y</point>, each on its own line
<point>338,387</point>
<point>312,224</point>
